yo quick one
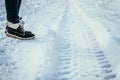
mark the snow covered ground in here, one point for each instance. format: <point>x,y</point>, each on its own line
<point>75,40</point>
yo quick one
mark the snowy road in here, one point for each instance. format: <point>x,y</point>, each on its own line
<point>66,46</point>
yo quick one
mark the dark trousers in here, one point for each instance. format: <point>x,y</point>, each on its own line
<point>12,9</point>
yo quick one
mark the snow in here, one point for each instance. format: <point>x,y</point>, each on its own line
<point>75,40</point>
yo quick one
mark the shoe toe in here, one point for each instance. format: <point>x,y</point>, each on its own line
<point>29,34</point>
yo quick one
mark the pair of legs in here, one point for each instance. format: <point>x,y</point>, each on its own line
<point>12,9</point>
<point>14,27</point>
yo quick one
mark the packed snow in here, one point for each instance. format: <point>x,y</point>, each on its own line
<point>75,40</point>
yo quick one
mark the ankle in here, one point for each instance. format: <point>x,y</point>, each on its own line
<point>12,25</point>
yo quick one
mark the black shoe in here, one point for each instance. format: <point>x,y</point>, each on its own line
<point>19,33</point>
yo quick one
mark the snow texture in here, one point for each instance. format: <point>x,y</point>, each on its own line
<point>75,40</point>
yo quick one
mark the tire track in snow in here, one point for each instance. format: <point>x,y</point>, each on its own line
<point>71,55</point>
<point>102,59</point>
<point>65,69</point>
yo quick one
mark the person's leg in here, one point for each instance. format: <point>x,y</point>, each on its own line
<point>19,4</point>
<point>12,9</point>
<point>14,26</point>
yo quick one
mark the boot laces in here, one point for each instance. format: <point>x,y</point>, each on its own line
<point>22,28</point>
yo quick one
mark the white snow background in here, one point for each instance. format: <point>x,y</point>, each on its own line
<point>75,40</point>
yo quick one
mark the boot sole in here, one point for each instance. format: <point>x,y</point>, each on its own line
<point>17,37</point>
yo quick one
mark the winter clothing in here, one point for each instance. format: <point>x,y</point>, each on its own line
<point>15,26</point>
<point>18,32</point>
<point>12,9</point>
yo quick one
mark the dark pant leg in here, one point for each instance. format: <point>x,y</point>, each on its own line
<point>12,9</point>
<point>19,4</point>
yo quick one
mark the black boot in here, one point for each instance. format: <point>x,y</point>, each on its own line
<point>17,31</point>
